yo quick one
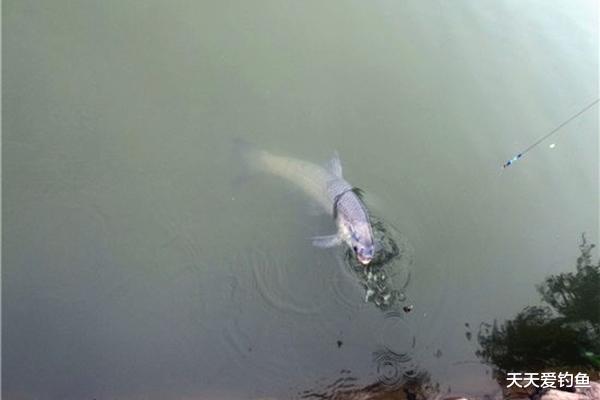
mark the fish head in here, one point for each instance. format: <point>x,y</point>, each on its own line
<point>361,242</point>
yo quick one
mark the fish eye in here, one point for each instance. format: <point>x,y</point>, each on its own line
<point>355,249</point>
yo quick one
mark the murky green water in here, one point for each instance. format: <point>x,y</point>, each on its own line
<point>134,267</point>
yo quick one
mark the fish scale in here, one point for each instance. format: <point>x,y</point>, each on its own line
<point>352,208</point>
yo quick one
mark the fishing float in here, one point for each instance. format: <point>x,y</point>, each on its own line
<point>552,132</point>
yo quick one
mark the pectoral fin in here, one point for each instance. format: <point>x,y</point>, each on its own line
<point>326,241</point>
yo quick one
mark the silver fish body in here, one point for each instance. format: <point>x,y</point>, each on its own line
<point>327,187</point>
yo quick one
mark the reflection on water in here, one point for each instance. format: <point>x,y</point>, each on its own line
<point>561,335</point>
<point>391,383</point>
<point>344,384</point>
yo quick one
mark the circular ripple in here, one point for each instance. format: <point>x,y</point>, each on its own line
<point>396,334</point>
<point>388,373</point>
<point>276,282</point>
<point>390,366</point>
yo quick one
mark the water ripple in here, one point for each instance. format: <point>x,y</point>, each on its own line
<point>271,276</point>
<point>344,384</point>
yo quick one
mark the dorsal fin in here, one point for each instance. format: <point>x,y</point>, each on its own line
<point>334,165</point>
<point>358,192</point>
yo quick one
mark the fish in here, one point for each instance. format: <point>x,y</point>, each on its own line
<point>326,186</point>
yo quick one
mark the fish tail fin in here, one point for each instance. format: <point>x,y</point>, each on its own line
<point>248,154</point>
<point>248,157</point>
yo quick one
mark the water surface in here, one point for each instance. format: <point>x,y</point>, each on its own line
<point>134,267</point>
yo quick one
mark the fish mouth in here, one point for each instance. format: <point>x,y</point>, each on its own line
<point>363,260</point>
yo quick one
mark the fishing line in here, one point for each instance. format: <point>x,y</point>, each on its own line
<point>552,132</point>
